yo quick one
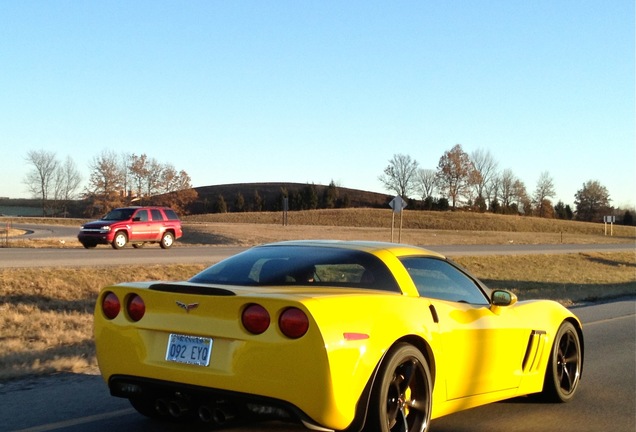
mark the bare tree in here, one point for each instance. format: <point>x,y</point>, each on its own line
<point>400,175</point>
<point>106,183</point>
<point>486,165</point>
<point>170,188</point>
<point>66,184</point>
<point>512,192</point>
<point>427,182</point>
<point>39,180</point>
<point>522,200</point>
<point>154,184</point>
<point>127,178</point>
<point>506,187</point>
<point>543,191</point>
<point>138,170</point>
<point>456,174</point>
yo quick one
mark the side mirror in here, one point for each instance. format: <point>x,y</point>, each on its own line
<point>136,219</point>
<point>503,298</point>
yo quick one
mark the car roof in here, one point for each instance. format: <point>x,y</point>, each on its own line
<point>396,249</point>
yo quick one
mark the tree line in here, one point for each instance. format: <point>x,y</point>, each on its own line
<point>474,181</point>
<point>461,180</point>
<point>115,180</point>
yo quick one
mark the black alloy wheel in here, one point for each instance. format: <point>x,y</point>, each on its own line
<point>564,369</point>
<point>402,395</point>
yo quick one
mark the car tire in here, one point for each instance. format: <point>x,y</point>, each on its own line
<point>401,398</point>
<point>120,240</point>
<point>565,366</point>
<point>167,240</point>
<point>89,245</point>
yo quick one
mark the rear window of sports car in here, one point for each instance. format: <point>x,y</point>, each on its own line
<point>301,265</point>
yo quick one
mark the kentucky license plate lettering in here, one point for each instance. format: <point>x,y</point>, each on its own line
<point>189,349</point>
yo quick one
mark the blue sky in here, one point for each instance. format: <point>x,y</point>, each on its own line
<point>310,92</point>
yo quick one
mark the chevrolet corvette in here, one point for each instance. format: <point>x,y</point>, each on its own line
<point>355,336</point>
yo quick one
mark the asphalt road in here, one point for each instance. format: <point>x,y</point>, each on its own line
<point>153,254</point>
<point>606,399</point>
<point>71,402</point>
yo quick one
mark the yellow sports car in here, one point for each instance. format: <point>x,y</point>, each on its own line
<point>337,335</point>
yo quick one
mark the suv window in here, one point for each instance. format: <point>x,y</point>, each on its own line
<point>170,214</point>
<point>141,215</point>
<point>156,215</point>
<point>119,214</point>
<point>436,278</point>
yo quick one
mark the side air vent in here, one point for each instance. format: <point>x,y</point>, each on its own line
<point>534,351</point>
<point>191,289</point>
<point>434,314</point>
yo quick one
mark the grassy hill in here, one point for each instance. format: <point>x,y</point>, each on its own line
<point>271,195</point>
<point>415,219</point>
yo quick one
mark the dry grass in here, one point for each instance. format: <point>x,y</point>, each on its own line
<point>46,314</point>
<point>566,278</point>
<point>248,234</point>
<point>417,220</point>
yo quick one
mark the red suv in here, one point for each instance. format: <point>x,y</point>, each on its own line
<point>135,225</point>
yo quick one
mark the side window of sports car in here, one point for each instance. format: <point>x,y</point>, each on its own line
<point>436,278</point>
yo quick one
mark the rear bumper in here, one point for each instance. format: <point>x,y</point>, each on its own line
<point>208,405</point>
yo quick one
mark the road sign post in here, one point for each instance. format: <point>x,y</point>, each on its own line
<point>609,220</point>
<point>285,210</point>
<point>397,204</point>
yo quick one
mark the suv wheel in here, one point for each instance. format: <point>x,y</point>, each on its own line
<point>120,240</point>
<point>167,240</point>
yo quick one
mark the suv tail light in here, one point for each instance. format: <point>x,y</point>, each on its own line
<point>293,323</point>
<point>110,305</point>
<point>255,318</point>
<point>136,307</point>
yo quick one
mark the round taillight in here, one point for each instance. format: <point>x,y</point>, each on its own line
<point>293,323</point>
<point>136,307</point>
<point>255,318</point>
<point>110,305</point>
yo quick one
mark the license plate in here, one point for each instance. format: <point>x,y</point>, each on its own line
<point>189,349</point>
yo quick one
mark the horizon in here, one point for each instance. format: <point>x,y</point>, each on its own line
<point>388,195</point>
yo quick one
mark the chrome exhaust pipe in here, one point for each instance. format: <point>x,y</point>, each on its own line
<point>222,415</point>
<point>205,414</point>
<point>216,414</point>
<point>177,408</point>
